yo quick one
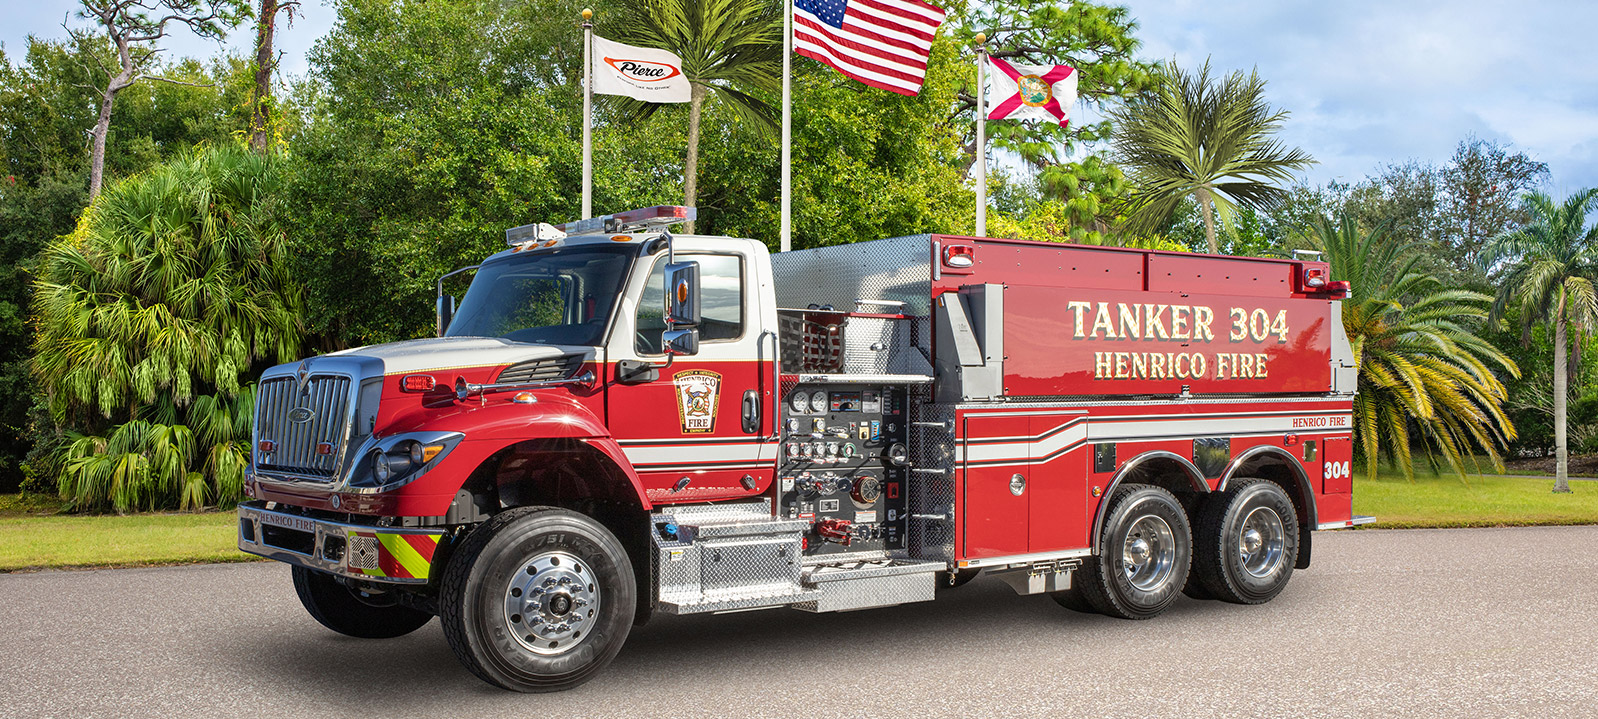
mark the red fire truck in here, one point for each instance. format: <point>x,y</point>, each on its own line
<point>616,422</point>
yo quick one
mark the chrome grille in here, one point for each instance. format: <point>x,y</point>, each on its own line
<point>541,370</point>
<point>294,444</point>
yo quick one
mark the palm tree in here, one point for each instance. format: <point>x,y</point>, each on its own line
<point>730,47</point>
<point>1194,137</point>
<point>1549,268</point>
<point>1418,361</point>
<point>150,317</point>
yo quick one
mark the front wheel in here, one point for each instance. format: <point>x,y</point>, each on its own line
<point>538,599</point>
<point>1144,551</point>
<point>351,612</point>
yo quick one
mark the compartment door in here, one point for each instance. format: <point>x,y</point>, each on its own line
<point>1058,483</point>
<point>997,486</point>
<point>1336,503</point>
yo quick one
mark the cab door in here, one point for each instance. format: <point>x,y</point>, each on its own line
<point>700,428</point>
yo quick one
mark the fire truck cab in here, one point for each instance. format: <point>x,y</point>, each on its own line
<point>617,422</point>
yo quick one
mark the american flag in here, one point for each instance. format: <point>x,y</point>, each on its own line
<point>882,43</point>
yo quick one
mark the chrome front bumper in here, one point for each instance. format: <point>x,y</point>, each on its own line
<point>358,551</point>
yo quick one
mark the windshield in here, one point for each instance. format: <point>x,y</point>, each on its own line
<point>562,296</point>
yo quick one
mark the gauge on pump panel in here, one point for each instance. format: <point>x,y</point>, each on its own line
<point>800,402</point>
<point>818,402</point>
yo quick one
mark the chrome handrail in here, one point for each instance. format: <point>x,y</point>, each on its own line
<point>464,389</point>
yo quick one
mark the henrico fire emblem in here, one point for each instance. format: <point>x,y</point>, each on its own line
<point>697,394</point>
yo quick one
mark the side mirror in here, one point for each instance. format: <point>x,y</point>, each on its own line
<point>682,294</point>
<point>681,342</point>
<point>446,312</point>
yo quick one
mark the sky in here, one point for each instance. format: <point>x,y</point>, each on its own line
<point>1368,82</point>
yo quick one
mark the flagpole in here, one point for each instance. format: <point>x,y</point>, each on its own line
<point>588,113</point>
<point>787,125</point>
<point>982,140</point>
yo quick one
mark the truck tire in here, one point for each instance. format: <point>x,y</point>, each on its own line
<point>342,610</point>
<point>1072,598</point>
<point>1143,555</point>
<point>1246,542</point>
<point>538,599</point>
<point>1194,589</point>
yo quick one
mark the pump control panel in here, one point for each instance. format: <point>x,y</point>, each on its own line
<point>842,466</point>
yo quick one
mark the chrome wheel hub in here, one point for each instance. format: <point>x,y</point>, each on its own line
<point>1148,556</point>
<point>1261,542</point>
<point>551,603</point>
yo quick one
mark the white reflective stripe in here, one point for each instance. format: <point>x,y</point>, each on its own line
<point>975,449</point>
<point>1025,450</point>
<point>1205,427</point>
<point>679,455</point>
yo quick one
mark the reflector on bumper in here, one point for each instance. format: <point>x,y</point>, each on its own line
<point>383,554</point>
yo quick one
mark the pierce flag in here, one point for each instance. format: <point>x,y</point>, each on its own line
<point>1031,92</point>
<point>640,73</point>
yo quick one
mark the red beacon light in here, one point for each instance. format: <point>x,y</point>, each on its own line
<point>418,383</point>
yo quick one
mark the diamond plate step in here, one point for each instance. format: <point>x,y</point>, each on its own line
<point>739,603</point>
<point>863,585</point>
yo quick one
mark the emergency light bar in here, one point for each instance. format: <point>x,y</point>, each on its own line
<point>532,233</point>
<point>632,220</point>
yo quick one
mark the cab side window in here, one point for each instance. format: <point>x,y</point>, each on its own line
<point>721,298</point>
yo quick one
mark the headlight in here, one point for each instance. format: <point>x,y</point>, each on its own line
<point>400,459</point>
<point>381,470</point>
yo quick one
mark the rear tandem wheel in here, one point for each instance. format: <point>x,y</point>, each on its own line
<point>1143,556</point>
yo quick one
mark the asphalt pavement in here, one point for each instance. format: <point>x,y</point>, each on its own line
<point>1418,623</point>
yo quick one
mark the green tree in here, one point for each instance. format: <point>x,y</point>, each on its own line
<point>867,163</point>
<point>47,105</point>
<point>152,316</point>
<point>1098,40</point>
<point>1211,140</point>
<point>1420,362</point>
<point>1548,268</point>
<point>1482,184</point>
<point>134,32</point>
<point>430,128</point>
<point>730,47</point>
<point>261,105</point>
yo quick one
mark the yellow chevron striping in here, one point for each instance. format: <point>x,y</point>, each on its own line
<point>405,554</point>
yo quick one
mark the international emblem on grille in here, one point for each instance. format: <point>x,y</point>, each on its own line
<point>363,552</point>
<point>301,415</point>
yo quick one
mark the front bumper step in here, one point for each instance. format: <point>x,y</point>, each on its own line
<point>359,551</point>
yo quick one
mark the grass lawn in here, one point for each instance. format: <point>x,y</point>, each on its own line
<point>1487,501</point>
<point>30,541</point>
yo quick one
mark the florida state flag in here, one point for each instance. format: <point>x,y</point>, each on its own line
<point>1031,92</point>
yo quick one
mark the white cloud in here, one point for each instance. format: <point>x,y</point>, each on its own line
<point>1372,83</point>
